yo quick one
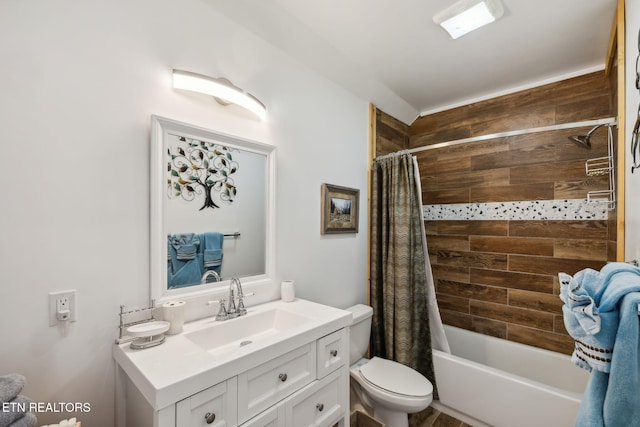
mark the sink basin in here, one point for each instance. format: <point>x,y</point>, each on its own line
<point>230,335</point>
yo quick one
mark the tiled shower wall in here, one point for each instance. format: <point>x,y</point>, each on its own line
<point>505,215</point>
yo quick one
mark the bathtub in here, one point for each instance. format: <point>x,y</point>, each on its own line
<point>488,381</point>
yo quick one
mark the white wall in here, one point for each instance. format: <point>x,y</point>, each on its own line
<point>80,80</point>
<point>632,180</point>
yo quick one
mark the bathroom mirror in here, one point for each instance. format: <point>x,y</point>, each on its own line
<point>211,209</point>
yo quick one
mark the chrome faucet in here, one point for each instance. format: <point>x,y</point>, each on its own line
<point>206,275</point>
<point>233,310</point>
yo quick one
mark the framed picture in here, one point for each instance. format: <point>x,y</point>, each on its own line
<point>339,209</point>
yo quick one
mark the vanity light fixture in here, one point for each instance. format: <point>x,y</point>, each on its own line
<point>221,89</point>
<point>468,15</point>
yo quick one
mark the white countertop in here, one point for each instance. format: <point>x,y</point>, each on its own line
<point>179,368</point>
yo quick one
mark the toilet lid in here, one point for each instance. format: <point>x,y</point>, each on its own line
<point>396,377</point>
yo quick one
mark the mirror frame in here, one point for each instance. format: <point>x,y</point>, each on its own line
<point>160,128</point>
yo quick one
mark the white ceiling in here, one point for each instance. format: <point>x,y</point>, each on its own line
<point>391,53</point>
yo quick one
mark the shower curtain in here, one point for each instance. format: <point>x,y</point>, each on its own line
<point>406,322</point>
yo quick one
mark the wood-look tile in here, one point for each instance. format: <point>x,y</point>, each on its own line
<point>548,172</point>
<point>392,123</point>
<point>453,303</point>
<point>532,315</point>
<point>597,107</point>
<point>508,279</point>
<point>513,158</point>
<point>474,228</point>
<point>439,136</point>
<point>519,316</point>
<point>541,339</point>
<point>486,178</point>
<point>579,189</point>
<point>456,195</point>
<point>535,301</point>
<point>551,266</point>
<point>612,251</point>
<point>569,150</point>
<point>453,243</point>
<point>472,259</point>
<point>581,249</point>
<point>513,245</point>
<point>465,152</point>
<point>456,319</point>
<point>510,193</point>
<point>440,166</point>
<point>596,230</point>
<point>489,327</point>
<point>544,116</point>
<point>558,325</point>
<point>478,292</point>
<point>431,227</point>
<point>448,272</point>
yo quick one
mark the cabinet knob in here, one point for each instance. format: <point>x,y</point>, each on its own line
<point>283,377</point>
<point>209,417</point>
<point>333,353</point>
<point>320,407</point>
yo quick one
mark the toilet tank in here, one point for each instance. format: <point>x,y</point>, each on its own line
<point>359,331</point>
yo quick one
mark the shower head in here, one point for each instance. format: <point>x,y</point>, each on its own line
<point>583,140</point>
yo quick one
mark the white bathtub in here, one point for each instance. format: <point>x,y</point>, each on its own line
<point>488,381</point>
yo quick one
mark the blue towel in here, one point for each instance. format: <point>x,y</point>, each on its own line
<point>184,265</point>
<point>613,399</point>
<point>212,256</point>
<point>591,311</point>
<point>186,245</point>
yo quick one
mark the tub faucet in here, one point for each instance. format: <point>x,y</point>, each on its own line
<point>206,275</point>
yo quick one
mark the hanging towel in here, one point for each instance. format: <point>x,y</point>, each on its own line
<point>186,245</point>
<point>613,398</point>
<point>184,266</point>
<point>212,258</point>
<point>591,311</point>
<point>10,386</point>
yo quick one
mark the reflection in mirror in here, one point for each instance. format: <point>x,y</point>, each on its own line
<point>210,206</point>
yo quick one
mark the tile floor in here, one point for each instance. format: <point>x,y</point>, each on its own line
<point>433,418</point>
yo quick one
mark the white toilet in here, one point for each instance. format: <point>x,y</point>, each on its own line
<point>386,390</point>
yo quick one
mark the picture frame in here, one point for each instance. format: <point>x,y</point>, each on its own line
<point>339,209</point>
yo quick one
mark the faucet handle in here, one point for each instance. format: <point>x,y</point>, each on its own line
<point>241,310</point>
<point>222,312</point>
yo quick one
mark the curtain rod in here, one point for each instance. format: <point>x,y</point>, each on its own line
<point>599,122</point>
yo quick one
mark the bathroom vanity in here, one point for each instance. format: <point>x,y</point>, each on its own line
<point>282,364</point>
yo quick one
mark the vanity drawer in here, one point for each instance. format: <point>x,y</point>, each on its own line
<point>264,385</point>
<point>272,417</point>
<point>212,407</point>
<point>320,405</point>
<point>332,352</point>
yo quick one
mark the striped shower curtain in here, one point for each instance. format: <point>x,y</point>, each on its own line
<point>399,294</point>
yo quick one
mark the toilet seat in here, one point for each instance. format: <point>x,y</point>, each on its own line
<point>395,378</point>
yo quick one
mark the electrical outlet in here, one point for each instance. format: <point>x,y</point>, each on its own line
<point>62,307</point>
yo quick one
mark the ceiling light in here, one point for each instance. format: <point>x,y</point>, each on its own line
<point>221,89</point>
<point>468,15</point>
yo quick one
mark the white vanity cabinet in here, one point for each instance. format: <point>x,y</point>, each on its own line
<point>323,402</point>
<point>298,380</point>
<point>215,406</point>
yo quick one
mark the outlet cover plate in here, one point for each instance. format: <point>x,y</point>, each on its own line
<point>53,299</point>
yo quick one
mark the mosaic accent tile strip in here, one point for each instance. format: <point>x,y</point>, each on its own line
<point>572,209</point>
